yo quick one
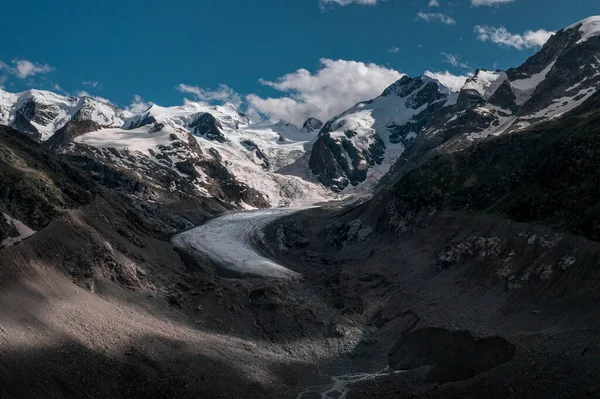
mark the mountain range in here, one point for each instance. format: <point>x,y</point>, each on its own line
<point>443,242</point>
<point>413,118</point>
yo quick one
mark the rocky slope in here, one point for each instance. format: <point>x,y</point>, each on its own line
<point>419,117</point>
<point>97,302</point>
<point>476,270</point>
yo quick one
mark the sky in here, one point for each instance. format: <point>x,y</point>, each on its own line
<point>280,59</point>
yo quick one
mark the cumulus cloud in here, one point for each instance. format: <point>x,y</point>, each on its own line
<point>24,68</point>
<point>436,17</point>
<point>478,3</point>
<point>83,93</point>
<point>223,94</point>
<point>454,60</point>
<point>434,3</point>
<point>453,82</point>
<point>324,4</point>
<point>501,36</point>
<point>138,105</point>
<point>335,87</point>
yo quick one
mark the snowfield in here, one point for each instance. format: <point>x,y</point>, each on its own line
<point>22,230</point>
<point>228,241</point>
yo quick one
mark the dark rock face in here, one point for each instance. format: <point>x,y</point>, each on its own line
<point>454,355</point>
<point>23,125</point>
<point>340,235</point>
<point>426,95</point>
<point>554,48</point>
<point>252,147</point>
<point>70,132</point>
<point>209,127</point>
<point>337,162</point>
<point>468,99</point>
<point>152,177</point>
<point>504,97</point>
<point>324,163</point>
<point>38,113</point>
<point>340,161</point>
<point>227,187</point>
<point>31,111</point>
<point>36,198</point>
<point>117,179</point>
<point>312,125</point>
<point>142,121</point>
<point>403,87</point>
<point>291,236</point>
<point>401,133</point>
<point>566,78</point>
<point>88,107</point>
<point>545,175</point>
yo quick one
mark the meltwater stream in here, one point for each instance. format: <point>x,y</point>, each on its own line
<point>339,387</point>
<point>229,241</point>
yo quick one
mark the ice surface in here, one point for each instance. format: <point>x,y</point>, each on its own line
<point>590,27</point>
<point>229,241</point>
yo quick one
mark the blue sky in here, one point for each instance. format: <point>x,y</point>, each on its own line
<point>118,49</point>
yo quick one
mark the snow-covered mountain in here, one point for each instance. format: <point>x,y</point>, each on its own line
<point>206,150</point>
<point>366,140</point>
<point>419,116</point>
<point>212,150</point>
<point>41,113</point>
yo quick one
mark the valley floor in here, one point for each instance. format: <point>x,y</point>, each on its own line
<point>177,326</point>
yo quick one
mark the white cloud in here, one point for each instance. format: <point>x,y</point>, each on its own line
<point>436,17</point>
<point>138,105</point>
<point>83,93</point>
<point>2,80</point>
<point>454,60</point>
<point>26,68</point>
<point>529,39</point>
<point>434,3</point>
<point>478,3</point>
<point>92,83</point>
<point>394,50</point>
<point>223,94</point>
<point>335,87</point>
<point>324,4</point>
<point>57,87</point>
<point>453,82</point>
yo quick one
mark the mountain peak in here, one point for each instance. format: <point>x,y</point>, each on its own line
<point>312,125</point>
<point>451,82</point>
<point>485,82</point>
<point>589,27</point>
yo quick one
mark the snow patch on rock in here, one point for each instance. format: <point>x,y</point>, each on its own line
<point>21,232</point>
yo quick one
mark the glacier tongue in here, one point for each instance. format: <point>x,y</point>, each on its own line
<point>228,241</point>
